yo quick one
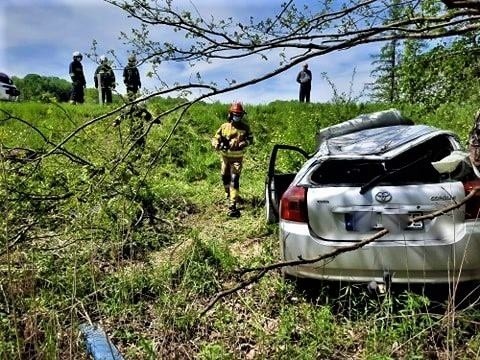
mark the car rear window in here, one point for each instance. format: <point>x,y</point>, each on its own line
<point>411,167</point>
<point>5,79</point>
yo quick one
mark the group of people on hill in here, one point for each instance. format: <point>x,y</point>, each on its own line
<point>104,79</point>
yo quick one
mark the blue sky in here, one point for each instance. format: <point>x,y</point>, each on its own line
<point>39,36</point>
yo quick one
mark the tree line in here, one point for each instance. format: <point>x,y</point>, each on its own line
<point>426,73</point>
<point>34,87</point>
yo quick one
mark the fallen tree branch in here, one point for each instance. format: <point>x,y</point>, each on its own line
<point>239,286</point>
<point>263,270</point>
<point>329,255</point>
<point>40,197</point>
<point>18,237</point>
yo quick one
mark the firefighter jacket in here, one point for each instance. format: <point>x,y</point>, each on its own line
<point>76,73</point>
<point>131,77</point>
<point>232,139</point>
<point>107,77</point>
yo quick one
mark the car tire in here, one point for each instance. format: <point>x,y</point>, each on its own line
<point>270,217</point>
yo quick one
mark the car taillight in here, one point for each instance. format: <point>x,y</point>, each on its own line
<point>472,207</point>
<point>293,205</point>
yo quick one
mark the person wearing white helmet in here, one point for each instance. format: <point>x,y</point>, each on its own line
<point>78,79</point>
<point>104,79</point>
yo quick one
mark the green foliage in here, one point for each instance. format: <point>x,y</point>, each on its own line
<point>47,89</point>
<point>416,72</point>
<point>445,71</point>
<point>35,87</point>
<point>427,75</point>
<point>214,352</point>
<point>385,87</point>
<point>142,245</point>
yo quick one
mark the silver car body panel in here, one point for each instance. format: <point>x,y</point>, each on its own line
<point>386,142</point>
<point>328,208</point>
<point>443,249</point>
<point>405,261</point>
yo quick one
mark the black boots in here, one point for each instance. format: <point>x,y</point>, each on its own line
<point>233,211</point>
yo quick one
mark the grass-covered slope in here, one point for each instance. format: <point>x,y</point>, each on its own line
<point>139,241</point>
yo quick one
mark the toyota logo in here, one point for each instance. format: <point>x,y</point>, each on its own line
<point>383,196</point>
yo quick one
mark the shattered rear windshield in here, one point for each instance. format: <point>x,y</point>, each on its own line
<point>411,167</point>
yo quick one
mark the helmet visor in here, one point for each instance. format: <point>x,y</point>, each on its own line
<point>236,117</point>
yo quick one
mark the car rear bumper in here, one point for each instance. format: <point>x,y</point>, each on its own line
<point>402,261</point>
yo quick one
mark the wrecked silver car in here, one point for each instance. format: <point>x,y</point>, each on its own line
<point>378,171</point>
<point>8,91</point>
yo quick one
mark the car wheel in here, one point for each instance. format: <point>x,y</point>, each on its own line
<point>269,213</point>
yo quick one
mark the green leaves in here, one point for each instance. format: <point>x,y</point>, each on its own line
<point>42,88</point>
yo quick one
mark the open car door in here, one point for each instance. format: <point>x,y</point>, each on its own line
<point>281,172</point>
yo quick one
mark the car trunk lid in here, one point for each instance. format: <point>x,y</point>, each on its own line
<point>342,213</point>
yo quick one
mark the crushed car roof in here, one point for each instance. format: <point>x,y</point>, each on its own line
<point>4,77</point>
<point>378,140</point>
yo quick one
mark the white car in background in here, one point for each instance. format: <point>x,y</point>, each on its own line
<point>8,91</point>
<point>376,172</point>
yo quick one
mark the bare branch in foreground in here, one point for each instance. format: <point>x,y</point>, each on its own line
<point>305,34</point>
<point>264,269</point>
<point>57,148</point>
<point>261,271</point>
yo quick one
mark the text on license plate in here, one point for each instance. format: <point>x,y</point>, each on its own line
<point>368,221</point>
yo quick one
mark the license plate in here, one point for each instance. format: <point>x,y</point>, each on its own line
<point>416,225</point>
<point>364,221</point>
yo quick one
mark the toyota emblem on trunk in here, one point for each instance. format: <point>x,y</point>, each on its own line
<point>383,196</point>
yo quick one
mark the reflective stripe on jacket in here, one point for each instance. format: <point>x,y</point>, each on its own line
<point>240,132</point>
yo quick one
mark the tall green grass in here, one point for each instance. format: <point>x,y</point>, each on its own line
<point>142,246</point>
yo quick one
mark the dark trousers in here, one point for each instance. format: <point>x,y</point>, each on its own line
<point>77,94</point>
<point>106,95</point>
<point>304,94</point>
<point>131,92</point>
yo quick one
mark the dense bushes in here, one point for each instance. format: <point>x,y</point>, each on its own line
<point>41,88</point>
<point>34,87</point>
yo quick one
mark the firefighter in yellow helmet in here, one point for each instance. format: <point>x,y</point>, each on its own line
<point>230,140</point>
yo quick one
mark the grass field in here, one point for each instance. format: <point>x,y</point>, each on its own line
<point>137,240</point>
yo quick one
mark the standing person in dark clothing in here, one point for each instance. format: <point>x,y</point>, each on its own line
<point>304,78</point>
<point>131,77</point>
<point>78,79</point>
<point>105,79</point>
